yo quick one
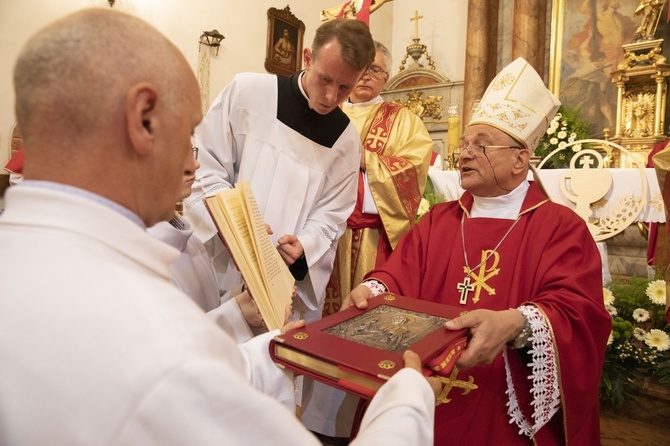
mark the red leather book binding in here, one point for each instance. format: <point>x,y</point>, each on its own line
<point>359,350</point>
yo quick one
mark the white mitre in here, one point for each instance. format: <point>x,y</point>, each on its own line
<point>518,103</point>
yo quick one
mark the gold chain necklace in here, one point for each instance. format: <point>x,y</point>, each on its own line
<point>466,287</point>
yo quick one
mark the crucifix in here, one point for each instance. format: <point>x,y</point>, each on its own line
<point>465,287</point>
<point>350,9</point>
<point>415,19</point>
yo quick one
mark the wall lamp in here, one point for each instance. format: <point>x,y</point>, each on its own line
<point>212,39</point>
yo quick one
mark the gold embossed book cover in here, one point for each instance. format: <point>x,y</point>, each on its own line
<point>358,350</point>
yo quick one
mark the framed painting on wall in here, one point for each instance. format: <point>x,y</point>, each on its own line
<point>585,47</point>
<point>284,45</point>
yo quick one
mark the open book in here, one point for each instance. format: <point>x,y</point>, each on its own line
<point>241,228</point>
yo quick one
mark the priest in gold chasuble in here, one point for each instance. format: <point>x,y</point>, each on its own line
<point>394,167</point>
<point>526,273</point>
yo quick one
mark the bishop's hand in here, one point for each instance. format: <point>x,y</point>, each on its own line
<point>490,330</point>
<point>359,297</point>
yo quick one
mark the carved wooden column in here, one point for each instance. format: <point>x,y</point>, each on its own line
<point>530,18</point>
<point>481,51</point>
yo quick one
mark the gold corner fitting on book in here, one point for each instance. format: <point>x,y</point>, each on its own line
<point>386,365</point>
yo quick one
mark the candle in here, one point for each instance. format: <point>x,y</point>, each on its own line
<point>453,133</point>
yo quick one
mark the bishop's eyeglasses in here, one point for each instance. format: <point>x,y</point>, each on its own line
<point>375,71</point>
<point>477,149</point>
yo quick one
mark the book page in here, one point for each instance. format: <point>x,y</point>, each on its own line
<point>276,275</point>
<point>226,210</point>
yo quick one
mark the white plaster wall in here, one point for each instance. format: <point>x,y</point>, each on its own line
<point>244,24</point>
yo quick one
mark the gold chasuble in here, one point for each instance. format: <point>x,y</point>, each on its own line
<point>397,150</point>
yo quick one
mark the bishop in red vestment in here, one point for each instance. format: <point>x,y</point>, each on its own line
<point>526,273</point>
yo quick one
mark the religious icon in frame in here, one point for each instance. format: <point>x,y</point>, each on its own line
<point>284,45</point>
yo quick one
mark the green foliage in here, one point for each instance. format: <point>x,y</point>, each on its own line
<point>567,126</point>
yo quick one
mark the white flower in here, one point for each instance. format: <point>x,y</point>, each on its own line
<point>639,333</point>
<point>608,297</point>
<point>562,134</point>
<point>553,141</point>
<point>657,339</point>
<point>573,135</point>
<point>611,309</point>
<point>610,339</point>
<point>641,315</point>
<point>656,292</point>
<point>571,139</point>
<point>551,130</point>
<point>424,206</point>
<point>576,147</point>
<point>565,122</point>
<point>562,144</point>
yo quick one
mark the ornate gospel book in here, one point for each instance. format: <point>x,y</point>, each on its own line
<point>359,350</point>
<point>241,228</point>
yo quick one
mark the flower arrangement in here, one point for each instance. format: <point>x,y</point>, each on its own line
<point>567,126</point>
<point>639,345</point>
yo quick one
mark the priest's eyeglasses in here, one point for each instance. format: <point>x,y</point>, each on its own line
<point>195,152</point>
<point>477,149</point>
<point>375,71</point>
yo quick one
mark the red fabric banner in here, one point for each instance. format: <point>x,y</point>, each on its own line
<point>362,15</point>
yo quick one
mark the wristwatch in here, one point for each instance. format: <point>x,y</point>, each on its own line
<point>522,338</point>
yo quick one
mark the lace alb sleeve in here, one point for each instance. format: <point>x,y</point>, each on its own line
<point>375,286</point>
<point>544,374</point>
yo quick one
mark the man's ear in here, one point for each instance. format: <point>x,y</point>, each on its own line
<point>307,58</point>
<point>522,159</point>
<point>140,108</point>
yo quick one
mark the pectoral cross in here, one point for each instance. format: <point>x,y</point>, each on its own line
<point>465,287</point>
<point>415,19</point>
<point>450,383</point>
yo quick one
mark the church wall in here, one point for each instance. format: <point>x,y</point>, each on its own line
<point>442,29</point>
<point>244,25</point>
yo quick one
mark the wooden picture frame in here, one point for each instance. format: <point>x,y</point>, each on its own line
<point>580,64</point>
<point>284,45</point>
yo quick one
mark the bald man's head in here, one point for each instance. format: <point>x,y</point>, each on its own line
<point>70,75</point>
<point>106,103</point>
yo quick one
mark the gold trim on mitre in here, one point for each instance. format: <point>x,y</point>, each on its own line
<point>518,103</point>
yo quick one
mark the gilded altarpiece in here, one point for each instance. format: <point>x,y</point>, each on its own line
<point>642,89</point>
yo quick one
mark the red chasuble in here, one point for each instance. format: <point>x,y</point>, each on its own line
<point>549,260</point>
